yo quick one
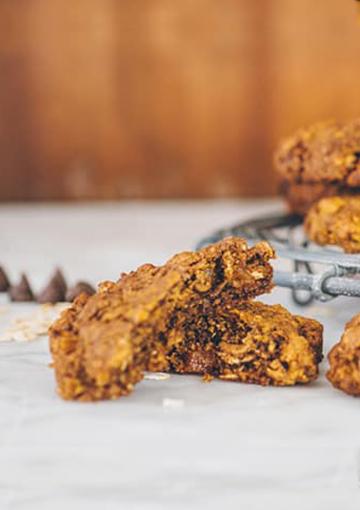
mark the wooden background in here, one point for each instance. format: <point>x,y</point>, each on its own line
<point>165,98</point>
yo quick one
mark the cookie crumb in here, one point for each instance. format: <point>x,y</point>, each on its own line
<point>207,378</point>
<point>173,403</point>
<point>156,376</point>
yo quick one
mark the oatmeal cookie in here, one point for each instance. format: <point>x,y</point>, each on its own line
<point>245,341</point>
<point>344,359</point>
<point>323,160</point>
<point>335,221</point>
<point>301,197</point>
<point>102,344</point>
<point>193,315</point>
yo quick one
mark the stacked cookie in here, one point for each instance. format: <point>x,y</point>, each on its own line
<point>319,171</point>
<point>321,161</point>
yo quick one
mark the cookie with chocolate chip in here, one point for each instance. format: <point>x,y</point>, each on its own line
<point>322,160</point>
<point>195,314</point>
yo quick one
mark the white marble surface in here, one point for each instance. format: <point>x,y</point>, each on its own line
<point>221,445</point>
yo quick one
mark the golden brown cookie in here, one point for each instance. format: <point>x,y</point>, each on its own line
<point>335,221</point>
<point>245,341</point>
<point>301,197</point>
<point>323,160</point>
<point>344,359</point>
<point>102,344</point>
<point>192,315</point>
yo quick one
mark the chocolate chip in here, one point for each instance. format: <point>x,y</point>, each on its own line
<point>55,290</point>
<point>79,288</point>
<point>60,280</point>
<point>4,281</point>
<point>22,291</point>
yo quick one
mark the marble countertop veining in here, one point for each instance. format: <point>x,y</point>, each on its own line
<point>175,443</point>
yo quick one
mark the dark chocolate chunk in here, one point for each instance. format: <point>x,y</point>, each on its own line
<point>51,294</point>
<point>55,290</point>
<point>60,280</point>
<point>79,288</point>
<point>22,291</point>
<point>4,281</point>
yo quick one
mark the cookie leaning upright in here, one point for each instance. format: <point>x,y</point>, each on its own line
<point>344,360</point>
<point>321,161</point>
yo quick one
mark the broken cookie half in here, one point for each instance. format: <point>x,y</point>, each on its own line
<point>194,314</point>
<point>242,341</point>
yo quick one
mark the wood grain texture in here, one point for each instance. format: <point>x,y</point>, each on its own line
<point>165,98</point>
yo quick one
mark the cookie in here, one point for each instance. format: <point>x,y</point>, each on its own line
<point>335,221</point>
<point>344,360</point>
<point>102,344</point>
<point>323,160</point>
<point>301,197</point>
<point>243,341</point>
<point>196,315</point>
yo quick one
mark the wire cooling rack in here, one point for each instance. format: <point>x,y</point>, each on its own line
<point>318,273</point>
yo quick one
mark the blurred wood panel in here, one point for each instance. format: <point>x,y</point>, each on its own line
<point>165,98</point>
